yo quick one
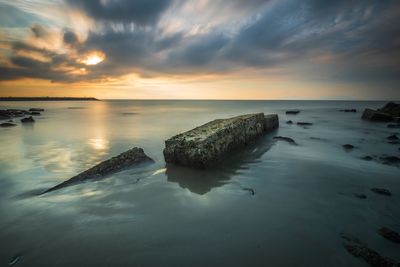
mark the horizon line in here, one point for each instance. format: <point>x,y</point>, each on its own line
<point>191,99</point>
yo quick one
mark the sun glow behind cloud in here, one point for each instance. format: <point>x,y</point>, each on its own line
<point>93,58</point>
<point>199,49</point>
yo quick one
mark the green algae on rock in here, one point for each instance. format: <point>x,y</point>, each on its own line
<point>204,145</point>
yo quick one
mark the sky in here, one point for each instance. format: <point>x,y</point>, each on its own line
<point>205,49</point>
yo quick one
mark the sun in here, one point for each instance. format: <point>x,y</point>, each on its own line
<point>93,58</point>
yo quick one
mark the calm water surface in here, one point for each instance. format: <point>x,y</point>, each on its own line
<point>159,216</point>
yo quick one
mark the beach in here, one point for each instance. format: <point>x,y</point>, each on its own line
<point>158,215</point>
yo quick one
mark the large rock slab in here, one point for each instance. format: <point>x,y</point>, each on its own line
<point>205,144</point>
<point>374,115</point>
<point>389,112</point>
<point>127,159</point>
<point>391,108</point>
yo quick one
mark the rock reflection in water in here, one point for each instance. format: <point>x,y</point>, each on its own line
<point>201,181</point>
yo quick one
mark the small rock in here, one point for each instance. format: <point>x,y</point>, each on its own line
<point>349,110</point>
<point>289,122</point>
<point>360,196</point>
<point>36,109</point>
<point>348,146</point>
<point>35,113</point>
<point>4,116</point>
<point>76,107</point>
<point>251,190</point>
<point>292,112</point>
<point>392,137</point>
<point>390,160</point>
<point>389,234</point>
<point>284,138</point>
<point>356,248</point>
<point>304,123</point>
<point>28,119</point>
<point>318,138</point>
<point>7,124</point>
<point>393,125</point>
<point>381,191</point>
<point>14,260</point>
<point>368,158</point>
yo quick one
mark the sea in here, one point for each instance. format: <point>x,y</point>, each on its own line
<point>303,195</point>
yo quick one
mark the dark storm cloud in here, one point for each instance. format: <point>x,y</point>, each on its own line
<point>198,52</point>
<point>360,38</point>
<point>140,12</point>
<point>29,67</point>
<point>27,62</point>
<point>70,38</point>
<point>22,46</point>
<point>354,32</point>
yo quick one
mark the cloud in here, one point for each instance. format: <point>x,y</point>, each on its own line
<point>11,16</point>
<point>38,31</point>
<point>140,12</point>
<point>70,38</point>
<point>360,37</point>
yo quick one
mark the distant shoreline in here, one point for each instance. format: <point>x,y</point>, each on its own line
<point>48,99</point>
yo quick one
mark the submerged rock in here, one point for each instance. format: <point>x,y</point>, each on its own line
<point>368,158</point>
<point>76,108</point>
<point>304,123</point>
<point>251,190</point>
<point>206,144</point>
<point>356,248</point>
<point>389,234</point>
<point>289,122</point>
<point>293,112</point>
<point>390,160</point>
<point>349,110</point>
<point>7,124</point>
<point>14,259</point>
<point>4,116</point>
<point>348,146</point>
<point>393,126</point>
<point>36,109</point>
<point>11,113</point>
<point>28,120</point>
<point>284,138</point>
<point>392,137</point>
<point>381,191</point>
<point>127,159</point>
<point>360,196</point>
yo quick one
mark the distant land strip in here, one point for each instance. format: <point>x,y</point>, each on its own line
<point>47,98</point>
